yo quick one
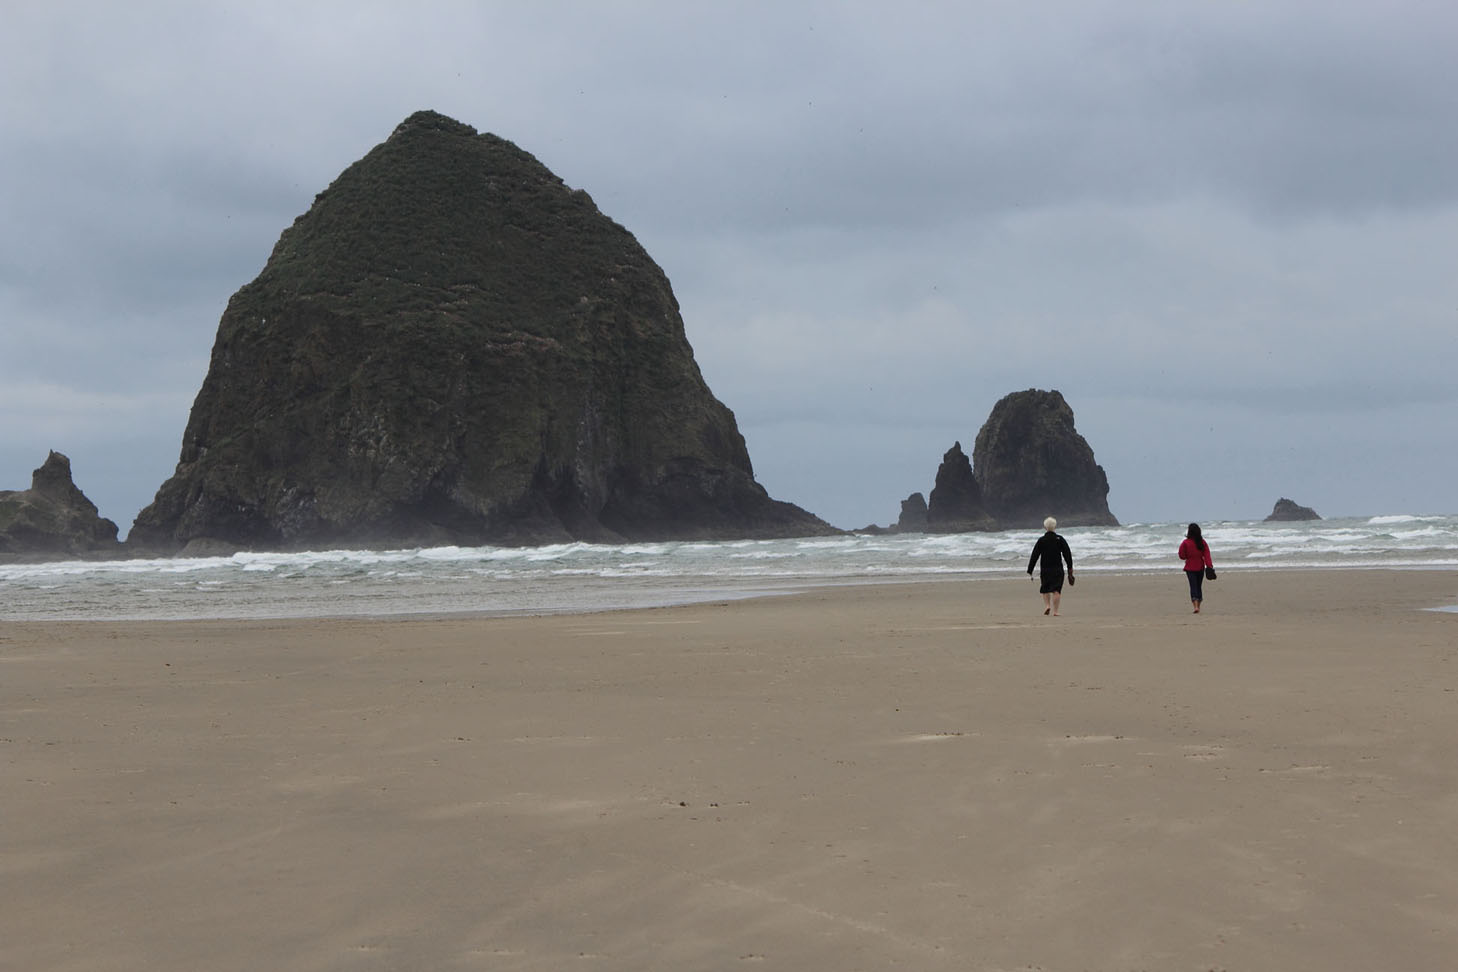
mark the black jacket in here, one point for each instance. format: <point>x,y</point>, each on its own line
<point>1049,546</point>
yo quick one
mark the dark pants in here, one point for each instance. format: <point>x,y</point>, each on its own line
<point>1197,578</point>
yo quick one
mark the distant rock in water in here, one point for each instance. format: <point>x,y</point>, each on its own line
<point>956,501</point>
<point>913,517</point>
<point>1290,510</point>
<point>452,346</point>
<point>1031,463</point>
<point>53,518</point>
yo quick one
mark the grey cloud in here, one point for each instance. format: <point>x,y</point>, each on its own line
<point>878,218</point>
<point>1292,117</point>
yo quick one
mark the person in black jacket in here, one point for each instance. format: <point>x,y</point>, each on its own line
<point>1053,551</point>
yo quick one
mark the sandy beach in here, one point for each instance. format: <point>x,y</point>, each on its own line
<point>929,776</point>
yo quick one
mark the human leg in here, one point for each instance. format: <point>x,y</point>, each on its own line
<point>1052,589</point>
<point>1197,594</point>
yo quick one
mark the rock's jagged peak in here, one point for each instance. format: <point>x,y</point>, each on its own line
<point>53,478</point>
<point>956,501</point>
<point>426,120</point>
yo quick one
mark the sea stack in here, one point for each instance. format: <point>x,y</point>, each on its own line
<point>1031,462</point>
<point>53,519</point>
<point>453,346</point>
<point>913,515</point>
<point>956,500</point>
<point>1290,510</point>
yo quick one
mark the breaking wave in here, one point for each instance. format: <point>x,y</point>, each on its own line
<point>581,576</point>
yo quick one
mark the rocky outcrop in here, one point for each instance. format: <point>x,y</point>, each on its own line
<point>53,518</point>
<point>452,346</point>
<point>956,504</point>
<point>1028,463</point>
<point>1290,510</point>
<point>1031,462</point>
<point>913,517</point>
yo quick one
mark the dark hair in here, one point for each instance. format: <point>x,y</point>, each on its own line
<point>1193,533</point>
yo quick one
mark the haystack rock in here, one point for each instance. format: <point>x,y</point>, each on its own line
<point>53,518</point>
<point>956,501</point>
<point>1291,510</point>
<point>452,346</point>
<point>1031,462</point>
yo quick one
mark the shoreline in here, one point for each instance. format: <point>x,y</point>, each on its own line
<point>747,590</point>
<point>930,775</point>
<point>572,578</point>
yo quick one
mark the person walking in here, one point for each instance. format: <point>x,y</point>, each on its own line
<point>1053,551</point>
<point>1195,552</point>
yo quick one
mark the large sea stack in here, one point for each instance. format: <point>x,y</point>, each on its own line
<point>452,346</point>
<point>1030,463</point>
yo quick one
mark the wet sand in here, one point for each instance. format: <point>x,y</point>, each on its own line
<point>929,776</point>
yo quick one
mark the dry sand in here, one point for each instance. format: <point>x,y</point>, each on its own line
<point>927,776</point>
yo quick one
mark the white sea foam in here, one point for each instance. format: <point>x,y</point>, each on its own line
<point>582,576</point>
<point>1405,518</point>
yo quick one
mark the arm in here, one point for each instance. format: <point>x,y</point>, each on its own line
<point>1067,554</point>
<point>1033,560</point>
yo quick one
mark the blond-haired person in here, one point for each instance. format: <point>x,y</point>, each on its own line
<point>1053,551</point>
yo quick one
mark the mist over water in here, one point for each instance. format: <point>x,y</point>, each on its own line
<point>577,577</point>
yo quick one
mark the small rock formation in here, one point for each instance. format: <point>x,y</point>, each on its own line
<point>452,346</point>
<point>1290,510</point>
<point>956,501</point>
<point>53,518</point>
<point>1031,463</point>
<point>913,517</point>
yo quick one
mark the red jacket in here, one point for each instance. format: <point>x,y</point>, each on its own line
<point>1193,556</point>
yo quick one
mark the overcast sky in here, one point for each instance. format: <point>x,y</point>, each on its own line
<point>1226,232</point>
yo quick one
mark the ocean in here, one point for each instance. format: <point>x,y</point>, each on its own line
<point>576,577</point>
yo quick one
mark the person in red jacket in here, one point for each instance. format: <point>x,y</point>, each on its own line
<point>1195,552</point>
